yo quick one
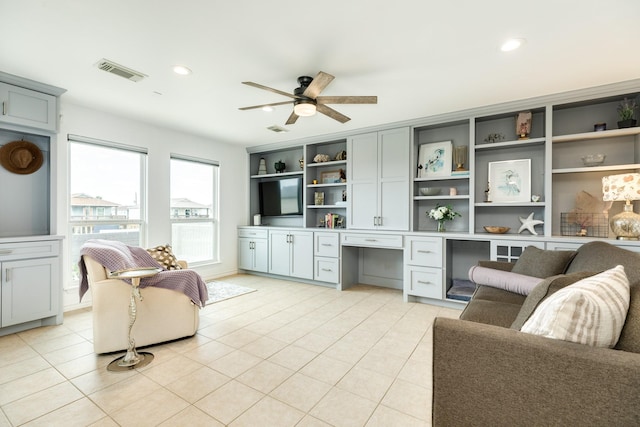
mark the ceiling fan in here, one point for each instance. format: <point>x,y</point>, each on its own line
<point>306,100</point>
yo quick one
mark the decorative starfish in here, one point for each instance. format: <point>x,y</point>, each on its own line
<point>528,223</point>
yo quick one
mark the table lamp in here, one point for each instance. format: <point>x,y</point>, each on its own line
<point>626,224</point>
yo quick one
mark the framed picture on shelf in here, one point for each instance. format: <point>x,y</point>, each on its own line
<point>434,159</point>
<point>330,177</point>
<point>510,181</point>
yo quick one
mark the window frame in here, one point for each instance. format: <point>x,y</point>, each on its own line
<point>215,207</point>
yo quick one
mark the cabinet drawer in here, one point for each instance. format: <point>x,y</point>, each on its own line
<point>24,250</point>
<point>426,252</point>
<point>424,282</point>
<point>326,269</point>
<point>372,240</point>
<point>253,233</point>
<point>326,244</point>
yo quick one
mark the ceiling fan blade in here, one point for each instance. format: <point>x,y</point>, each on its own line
<point>330,112</point>
<point>347,100</point>
<point>292,118</point>
<point>318,84</point>
<point>270,89</point>
<point>265,105</point>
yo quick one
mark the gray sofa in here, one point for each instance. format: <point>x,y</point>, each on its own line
<point>488,373</point>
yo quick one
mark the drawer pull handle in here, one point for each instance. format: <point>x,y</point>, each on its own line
<point>422,282</point>
<point>326,244</point>
<point>370,240</point>
<point>420,251</point>
<point>5,251</point>
<point>327,269</point>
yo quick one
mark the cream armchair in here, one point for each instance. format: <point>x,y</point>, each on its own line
<point>163,314</point>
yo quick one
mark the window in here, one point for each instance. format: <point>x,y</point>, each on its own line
<point>194,210</point>
<point>107,194</point>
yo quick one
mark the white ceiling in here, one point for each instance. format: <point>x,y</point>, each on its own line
<point>420,57</point>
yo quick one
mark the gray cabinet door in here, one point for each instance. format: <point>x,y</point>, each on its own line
<point>28,290</point>
<point>26,107</point>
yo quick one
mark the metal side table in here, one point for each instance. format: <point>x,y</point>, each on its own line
<point>132,359</point>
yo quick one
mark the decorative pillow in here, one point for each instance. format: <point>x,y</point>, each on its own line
<point>544,289</point>
<point>164,256</point>
<point>591,311</point>
<point>542,263</point>
<point>507,280</point>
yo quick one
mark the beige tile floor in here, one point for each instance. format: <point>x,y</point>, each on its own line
<point>290,354</point>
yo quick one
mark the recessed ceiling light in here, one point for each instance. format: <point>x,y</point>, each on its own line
<point>182,70</point>
<point>512,44</point>
<point>267,108</point>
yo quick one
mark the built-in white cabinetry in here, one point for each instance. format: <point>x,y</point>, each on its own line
<point>291,253</point>
<point>30,292</point>
<point>423,261</point>
<point>30,282</point>
<point>253,250</point>
<point>24,107</point>
<point>382,193</point>
<point>326,257</point>
<point>510,250</point>
<point>378,185</point>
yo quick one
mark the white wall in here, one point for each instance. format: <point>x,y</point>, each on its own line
<point>160,143</point>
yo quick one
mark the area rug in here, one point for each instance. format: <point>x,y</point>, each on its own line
<point>220,291</point>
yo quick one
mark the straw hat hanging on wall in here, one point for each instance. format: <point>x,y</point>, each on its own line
<point>21,157</point>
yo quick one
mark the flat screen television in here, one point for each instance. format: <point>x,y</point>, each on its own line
<point>281,197</point>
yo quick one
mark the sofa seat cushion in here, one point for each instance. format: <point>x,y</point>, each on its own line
<point>490,312</point>
<point>493,306</point>
<point>591,311</point>
<point>542,263</point>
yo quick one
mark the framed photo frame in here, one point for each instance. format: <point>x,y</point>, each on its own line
<point>510,181</point>
<point>330,177</point>
<point>434,159</point>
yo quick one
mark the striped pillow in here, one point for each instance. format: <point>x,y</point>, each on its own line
<point>591,311</point>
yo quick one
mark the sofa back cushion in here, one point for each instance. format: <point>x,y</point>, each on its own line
<point>600,256</point>
<point>630,335</point>
<point>542,263</point>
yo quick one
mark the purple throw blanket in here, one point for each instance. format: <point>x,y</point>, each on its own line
<point>118,256</point>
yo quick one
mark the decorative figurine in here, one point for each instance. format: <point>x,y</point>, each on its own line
<point>279,166</point>
<point>528,223</point>
<point>523,125</point>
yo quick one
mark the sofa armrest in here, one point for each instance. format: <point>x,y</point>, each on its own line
<point>489,375</point>
<point>497,265</point>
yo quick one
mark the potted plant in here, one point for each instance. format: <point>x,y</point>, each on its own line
<point>626,111</point>
<point>442,214</point>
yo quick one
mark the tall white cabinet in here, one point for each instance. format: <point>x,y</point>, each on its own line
<point>378,184</point>
<point>30,272</point>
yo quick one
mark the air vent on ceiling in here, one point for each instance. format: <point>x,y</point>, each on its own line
<point>277,129</point>
<point>119,70</point>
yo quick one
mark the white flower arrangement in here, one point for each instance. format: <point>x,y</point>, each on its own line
<point>443,213</point>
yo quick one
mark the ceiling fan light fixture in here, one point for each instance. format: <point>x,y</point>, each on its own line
<point>304,109</point>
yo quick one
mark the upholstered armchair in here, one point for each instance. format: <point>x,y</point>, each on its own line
<point>162,315</point>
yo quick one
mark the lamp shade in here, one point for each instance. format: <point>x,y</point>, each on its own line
<point>621,187</point>
<point>626,224</point>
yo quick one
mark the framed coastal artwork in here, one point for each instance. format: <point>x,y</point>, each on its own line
<point>510,181</point>
<point>434,159</point>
